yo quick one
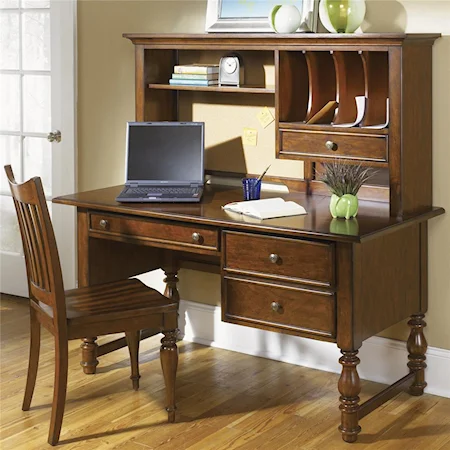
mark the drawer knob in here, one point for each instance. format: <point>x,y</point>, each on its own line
<point>104,223</point>
<point>330,145</point>
<point>196,237</point>
<point>274,258</point>
<point>276,306</point>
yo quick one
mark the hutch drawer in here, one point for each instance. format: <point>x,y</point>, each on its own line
<point>279,258</point>
<point>161,232</point>
<point>267,305</point>
<point>334,145</point>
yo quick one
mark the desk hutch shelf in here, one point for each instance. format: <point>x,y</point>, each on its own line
<point>392,71</point>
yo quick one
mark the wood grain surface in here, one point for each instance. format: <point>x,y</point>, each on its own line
<point>373,217</point>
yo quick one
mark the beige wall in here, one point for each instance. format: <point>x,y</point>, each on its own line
<point>106,102</point>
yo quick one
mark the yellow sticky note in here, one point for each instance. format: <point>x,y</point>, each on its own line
<point>249,136</point>
<point>265,117</point>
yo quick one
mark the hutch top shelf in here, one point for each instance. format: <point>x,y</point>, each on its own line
<point>271,39</point>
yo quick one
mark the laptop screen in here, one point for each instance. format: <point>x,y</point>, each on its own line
<point>165,152</point>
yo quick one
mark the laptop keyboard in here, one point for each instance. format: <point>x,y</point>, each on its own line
<point>162,191</point>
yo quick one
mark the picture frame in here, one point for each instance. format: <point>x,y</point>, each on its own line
<point>237,16</point>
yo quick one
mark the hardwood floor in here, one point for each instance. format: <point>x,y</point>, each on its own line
<point>226,400</point>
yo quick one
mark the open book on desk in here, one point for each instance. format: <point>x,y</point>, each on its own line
<point>266,209</point>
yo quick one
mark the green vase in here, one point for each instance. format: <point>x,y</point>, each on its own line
<point>344,207</point>
<point>342,16</point>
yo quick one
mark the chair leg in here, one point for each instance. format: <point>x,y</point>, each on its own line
<point>133,339</point>
<point>35,343</point>
<point>169,364</point>
<point>59,390</point>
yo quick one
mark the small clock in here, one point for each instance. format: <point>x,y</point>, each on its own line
<point>231,70</point>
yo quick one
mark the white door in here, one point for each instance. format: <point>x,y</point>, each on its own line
<point>37,97</point>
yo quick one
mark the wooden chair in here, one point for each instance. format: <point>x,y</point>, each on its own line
<point>124,306</point>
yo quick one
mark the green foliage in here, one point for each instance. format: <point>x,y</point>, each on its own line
<point>344,178</point>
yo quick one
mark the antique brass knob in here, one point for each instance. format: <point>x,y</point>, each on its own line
<point>54,136</point>
<point>103,223</point>
<point>330,145</point>
<point>276,306</point>
<point>196,237</point>
<point>274,258</point>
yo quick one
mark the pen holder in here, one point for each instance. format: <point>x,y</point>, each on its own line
<point>251,188</point>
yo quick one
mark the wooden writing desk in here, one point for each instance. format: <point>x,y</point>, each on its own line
<point>312,276</point>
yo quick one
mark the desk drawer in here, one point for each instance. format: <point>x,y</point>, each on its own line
<point>269,306</point>
<point>279,258</point>
<point>334,145</point>
<point>158,232</point>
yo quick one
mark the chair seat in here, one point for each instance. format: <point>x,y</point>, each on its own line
<point>117,300</point>
<point>120,298</point>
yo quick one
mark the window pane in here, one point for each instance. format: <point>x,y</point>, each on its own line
<point>36,41</point>
<point>36,103</point>
<point>38,161</point>
<point>9,3</point>
<point>9,41</point>
<point>10,240</point>
<point>35,3</point>
<point>9,154</point>
<point>10,102</point>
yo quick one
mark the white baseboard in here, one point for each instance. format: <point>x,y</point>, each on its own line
<point>382,360</point>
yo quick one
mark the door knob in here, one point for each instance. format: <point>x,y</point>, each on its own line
<point>54,136</point>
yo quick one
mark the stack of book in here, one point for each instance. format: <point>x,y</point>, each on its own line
<point>195,75</point>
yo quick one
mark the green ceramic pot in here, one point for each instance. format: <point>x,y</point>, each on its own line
<point>342,16</point>
<point>344,207</point>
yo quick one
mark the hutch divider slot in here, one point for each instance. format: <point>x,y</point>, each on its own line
<point>293,86</point>
<point>322,81</point>
<point>376,73</point>
<point>350,84</point>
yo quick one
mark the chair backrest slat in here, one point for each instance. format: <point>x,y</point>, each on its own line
<point>26,239</point>
<point>41,251</point>
<point>41,255</point>
<point>32,245</point>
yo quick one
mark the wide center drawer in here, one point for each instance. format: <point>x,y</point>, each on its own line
<point>318,145</point>
<point>279,258</point>
<point>156,232</point>
<point>269,306</point>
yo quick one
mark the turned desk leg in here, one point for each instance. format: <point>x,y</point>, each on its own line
<point>89,360</point>
<point>171,281</point>
<point>417,347</point>
<point>349,387</point>
<point>169,364</point>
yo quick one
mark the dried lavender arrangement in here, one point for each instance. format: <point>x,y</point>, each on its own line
<point>344,182</point>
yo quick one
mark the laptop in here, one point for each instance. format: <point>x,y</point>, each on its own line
<point>164,162</point>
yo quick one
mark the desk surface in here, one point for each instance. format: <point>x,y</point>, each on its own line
<point>373,217</point>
